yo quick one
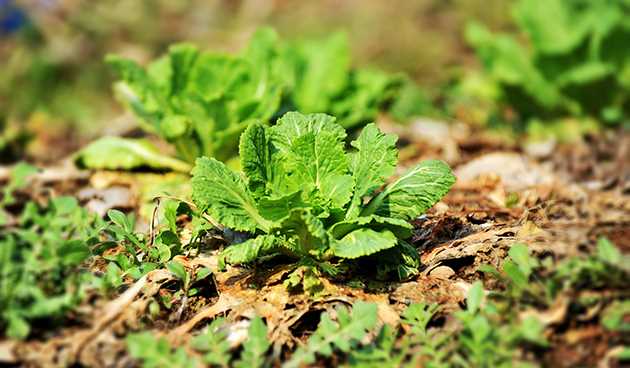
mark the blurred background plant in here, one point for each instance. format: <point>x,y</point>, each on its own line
<point>564,69</point>
<point>571,75</point>
<point>55,89</point>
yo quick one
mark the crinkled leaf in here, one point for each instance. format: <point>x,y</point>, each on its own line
<point>251,249</point>
<point>372,163</point>
<point>256,162</point>
<point>223,194</point>
<point>363,242</point>
<point>267,74</point>
<point>401,228</point>
<point>294,124</point>
<point>126,153</point>
<point>277,209</point>
<point>414,192</point>
<point>182,59</point>
<point>306,228</point>
<point>311,150</point>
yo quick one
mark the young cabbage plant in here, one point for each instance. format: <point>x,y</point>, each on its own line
<point>302,195</point>
<point>201,101</point>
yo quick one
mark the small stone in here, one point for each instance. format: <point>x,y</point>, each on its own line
<point>442,272</point>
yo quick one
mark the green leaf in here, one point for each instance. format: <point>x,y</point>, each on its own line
<point>623,354</point>
<point>414,192</point>
<point>532,330</point>
<point>321,69</point>
<point>277,209</point>
<point>401,228</point>
<point>475,297</point>
<point>614,317</point>
<point>367,92</point>
<point>418,316</point>
<point>519,253</point>
<point>139,91</point>
<point>516,274</point>
<point>114,153</point>
<point>256,345</point>
<point>411,101</point>
<point>17,327</point>
<point>73,252</point>
<point>19,174</point>
<point>164,253</point>
<point>223,194</point>
<point>267,73</point>
<point>173,127</point>
<point>318,164</point>
<point>178,270</point>
<point>120,219</point>
<point>256,163</point>
<point>157,352</point>
<point>346,332</point>
<point>251,249</point>
<point>309,231</point>
<point>262,47</point>
<point>307,278</point>
<point>607,252</point>
<point>589,72</point>
<point>182,59</point>
<point>510,64</point>
<point>294,124</point>
<point>372,163</point>
<point>552,28</point>
<point>490,270</point>
<point>214,343</point>
<point>363,242</point>
<point>311,149</point>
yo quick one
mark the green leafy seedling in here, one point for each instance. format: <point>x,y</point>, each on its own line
<point>303,196</point>
<point>343,335</point>
<point>155,352</point>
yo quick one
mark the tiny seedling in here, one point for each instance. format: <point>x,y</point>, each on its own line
<point>40,263</point>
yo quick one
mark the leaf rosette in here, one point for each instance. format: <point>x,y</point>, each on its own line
<point>301,194</point>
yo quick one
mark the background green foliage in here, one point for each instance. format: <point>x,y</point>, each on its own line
<point>54,84</point>
<point>567,59</point>
<point>202,101</point>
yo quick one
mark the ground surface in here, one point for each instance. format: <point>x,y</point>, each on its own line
<point>558,199</point>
